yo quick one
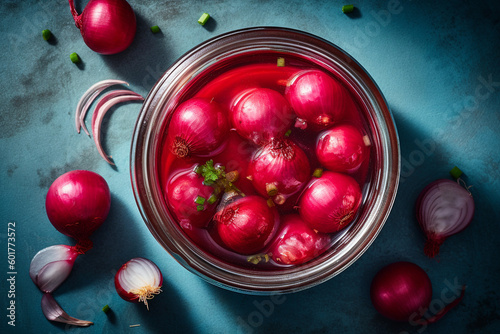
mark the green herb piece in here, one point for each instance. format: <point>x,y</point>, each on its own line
<point>74,57</point>
<point>456,172</point>
<point>200,200</point>
<point>106,309</point>
<point>212,199</point>
<point>281,62</point>
<point>347,9</point>
<point>210,173</point>
<point>46,34</point>
<point>203,19</point>
<point>200,208</point>
<point>288,133</point>
<point>155,29</point>
<point>318,172</point>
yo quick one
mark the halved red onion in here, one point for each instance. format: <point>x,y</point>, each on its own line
<point>51,266</point>
<point>88,97</point>
<point>53,312</point>
<point>101,112</point>
<point>138,280</point>
<point>317,99</point>
<point>443,208</point>
<point>331,202</point>
<point>279,168</point>
<point>260,114</point>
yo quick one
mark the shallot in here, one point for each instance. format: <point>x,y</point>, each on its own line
<point>198,127</point>
<point>54,312</point>
<point>443,208</point>
<point>330,203</point>
<point>260,114</point>
<point>138,280</point>
<point>107,26</point>
<point>402,291</point>
<point>317,99</point>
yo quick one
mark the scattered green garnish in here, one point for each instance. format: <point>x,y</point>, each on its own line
<point>347,9</point>
<point>210,173</point>
<point>200,208</point>
<point>287,134</point>
<point>74,57</point>
<point>281,62</point>
<point>318,172</point>
<point>456,172</point>
<point>212,199</point>
<point>46,34</point>
<point>155,29</point>
<point>106,309</point>
<point>200,200</point>
<point>203,19</point>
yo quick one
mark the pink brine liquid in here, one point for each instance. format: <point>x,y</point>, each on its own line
<point>294,135</point>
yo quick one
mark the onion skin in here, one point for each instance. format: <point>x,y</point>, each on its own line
<point>260,114</point>
<point>317,99</point>
<point>443,208</point>
<point>281,163</point>
<point>246,225</point>
<point>296,242</point>
<point>107,26</point>
<point>329,204</point>
<point>181,193</point>
<point>77,203</point>
<point>341,149</point>
<point>400,290</point>
<point>198,127</point>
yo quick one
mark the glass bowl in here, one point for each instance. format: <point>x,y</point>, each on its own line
<point>379,191</point>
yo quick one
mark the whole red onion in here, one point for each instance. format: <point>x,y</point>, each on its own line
<point>330,203</point>
<point>317,98</point>
<point>279,168</point>
<point>198,127</point>
<point>107,26</point>
<point>342,148</point>
<point>247,224</point>
<point>443,208</point>
<point>296,242</point>
<point>260,114</point>
<point>181,193</point>
<point>77,203</point>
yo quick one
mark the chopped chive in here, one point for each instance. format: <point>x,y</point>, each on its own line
<point>200,200</point>
<point>155,29</point>
<point>456,172</point>
<point>200,208</point>
<point>347,8</point>
<point>281,62</point>
<point>288,133</point>
<point>106,309</point>
<point>46,34</point>
<point>318,172</point>
<point>212,199</point>
<point>74,57</point>
<point>203,19</point>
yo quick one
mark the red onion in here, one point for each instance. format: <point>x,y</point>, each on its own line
<point>138,280</point>
<point>443,208</point>
<point>317,99</point>
<point>247,224</point>
<point>279,168</point>
<point>296,242</point>
<point>259,114</point>
<point>54,312</point>
<point>181,193</point>
<point>342,148</point>
<point>77,204</point>
<point>330,203</point>
<point>51,266</point>
<point>402,291</point>
<point>107,26</point>
<point>198,127</point>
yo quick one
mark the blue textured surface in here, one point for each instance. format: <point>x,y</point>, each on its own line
<point>437,64</point>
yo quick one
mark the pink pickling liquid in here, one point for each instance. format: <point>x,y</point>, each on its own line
<point>222,82</point>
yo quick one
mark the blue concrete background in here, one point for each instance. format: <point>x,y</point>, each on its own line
<point>437,62</point>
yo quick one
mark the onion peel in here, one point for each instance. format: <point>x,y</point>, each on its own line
<point>53,312</point>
